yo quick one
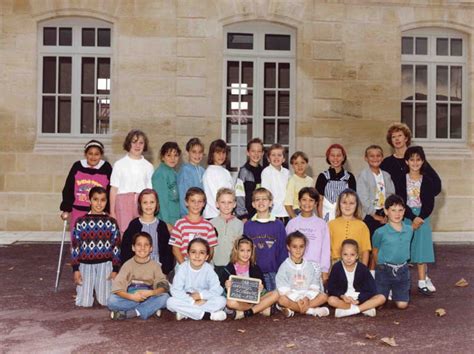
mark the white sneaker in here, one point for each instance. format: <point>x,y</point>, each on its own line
<point>239,315</point>
<point>370,312</point>
<point>321,311</point>
<point>390,295</point>
<point>158,313</point>
<point>218,316</point>
<point>430,285</point>
<point>287,312</point>
<point>353,310</point>
<point>180,316</point>
<point>267,312</point>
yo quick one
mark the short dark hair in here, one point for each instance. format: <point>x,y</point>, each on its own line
<point>169,146</point>
<point>217,146</point>
<point>97,190</point>
<point>142,234</point>
<point>201,241</point>
<point>127,144</point>
<point>192,143</point>
<point>416,150</point>
<point>392,200</point>
<point>294,236</point>
<point>311,191</point>
<point>255,141</point>
<point>350,242</point>
<point>193,191</point>
<point>144,192</point>
<point>299,154</point>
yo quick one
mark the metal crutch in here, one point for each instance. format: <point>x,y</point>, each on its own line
<point>58,272</point>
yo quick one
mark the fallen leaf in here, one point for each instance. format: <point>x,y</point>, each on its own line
<point>370,336</point>
<point>461,283</point>
<point>41,278</point>
<point>396,322</point>
<point>276,320</point>
<point>291,345</point>
<point>440,312</point>
<point>389,341</point>
<point>360,343</point>
<point>11,268</point>
<point>241,330</point>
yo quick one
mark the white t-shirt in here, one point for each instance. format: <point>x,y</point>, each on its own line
<point>379,200</point>
<point>215,177</point>
<point>131,176</point>
<point>350,283</point>
<point>276,181</point>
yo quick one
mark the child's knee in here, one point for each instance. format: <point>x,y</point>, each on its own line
<point>380,299</point>
<point>283,300</point>
<point>332,300</point>
<point>323,296</point>
<point>232,304</point>
<point>401,305</point>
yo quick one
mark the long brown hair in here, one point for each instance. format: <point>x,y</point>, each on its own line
<point>234,256</point>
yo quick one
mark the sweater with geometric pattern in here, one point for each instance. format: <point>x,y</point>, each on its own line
<point>96,239</point>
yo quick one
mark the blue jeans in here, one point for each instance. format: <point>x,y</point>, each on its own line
<point>146,308</point>
<point>270,282</point>
<point>387,279</point>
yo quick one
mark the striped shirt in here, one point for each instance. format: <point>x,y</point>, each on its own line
<point>184,231</point>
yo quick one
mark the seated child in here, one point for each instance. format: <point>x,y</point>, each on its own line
<point>95,251</point>
<point>392,252</point>
<point>196,292</point>
<point>351,287</point>
<point>140,289</point>
<point>242,263</point>
<point>298,281</point>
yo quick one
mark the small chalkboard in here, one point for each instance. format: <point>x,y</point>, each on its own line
<point>244,289</point>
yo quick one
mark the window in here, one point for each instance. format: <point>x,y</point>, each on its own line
<point>259,87</point>
<point>74,77</point>
<point>433,92</point>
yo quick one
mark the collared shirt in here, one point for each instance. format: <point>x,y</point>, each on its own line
<point>393,246</point>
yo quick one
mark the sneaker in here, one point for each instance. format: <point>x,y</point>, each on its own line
<point>229,311</point>
<point>370,312</point>
<point>118,315</point>
<point>429,285</point>
<point>287,312</point>
<point>267,312</point>
<point>239,315</point>
<point>180,316</point>
<point>425,291</point>
<point>218,316</point>
<point>158,313</point>
<point>321,311</point>
<point>390,295</point>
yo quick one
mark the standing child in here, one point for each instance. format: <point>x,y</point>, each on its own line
<point>275,179</point>
<point>392,252</point>
<point>348,224</point>
<point>249,179</point>
<point>84,175</point>
<point>131,174</point>
<point>165,184</point>
<point>268,234</point>
<point>95,252</point>
<point>299,162</point>
<point>192,226</point>
<point>228,228</point>
<point>419,196</point>
<point>190,174</point>
<point>196,292</point>
<point>242,263</point>
<point>318,248</point>
<point>148,206</point>
<point>140,289</point>
<point>298,281</point>
<point>351,287</point>
<point>333,181</point>
<point>216,176</point>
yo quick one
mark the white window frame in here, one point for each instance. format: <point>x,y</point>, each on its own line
<point>75,140</point>
<point>431,60</point>
<point>258,55</point>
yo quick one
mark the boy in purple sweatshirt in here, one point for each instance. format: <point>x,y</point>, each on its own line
<point>269,236</point>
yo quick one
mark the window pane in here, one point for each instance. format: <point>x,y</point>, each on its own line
<point>64,115</point>
<point>442,83</point>
<point>49,36</point>
<point>247,102</point>
<point>232,102</point>
<point>87,115</point>
<point>284,75</point>
<point>407,45</point>
<point>65,36</point>
<point>284,103</point>
<point>232,72</point>
<point>268,131</point>
<point>420,120</point>
<point>441,46</point>
<point>421,46</point>
<point>87,75</point>
<point>269,103</point>
<point>421,79</point>
<point>103,76</point>
<point>103,115</point>
<point>48,114</point>
<point>88,37</point>
<point>456,47</point>
<point>270,75</point>
<point>49,74</point>
<point>239,134</point>
<point>238,157</point>
<point>407,82</point>
<point>456,83</point>
<point>407,114</point>
<point>283,131</point>
<point>65,74</point>
<point>277,42</point>
<point>441,120</point>
<point>103,37</point>
<point>247,73</point>
<point>239,40</point>
<point>455,122</point>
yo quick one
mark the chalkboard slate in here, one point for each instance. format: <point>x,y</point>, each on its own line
<point>244,289</point>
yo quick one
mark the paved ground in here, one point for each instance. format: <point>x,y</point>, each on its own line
<point>35,319</point>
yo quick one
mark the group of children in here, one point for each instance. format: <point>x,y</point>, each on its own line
<point>309,243</point>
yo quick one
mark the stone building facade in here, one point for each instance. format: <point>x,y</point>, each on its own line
<point>305,73</point>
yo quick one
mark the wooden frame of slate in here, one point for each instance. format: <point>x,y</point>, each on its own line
<point>244,289</point>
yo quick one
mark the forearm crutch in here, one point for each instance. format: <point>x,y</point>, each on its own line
<point>58,272</point>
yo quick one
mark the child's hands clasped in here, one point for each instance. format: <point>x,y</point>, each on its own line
<point>349,300</point>
<point>195,296</point>
<point>142,295</point>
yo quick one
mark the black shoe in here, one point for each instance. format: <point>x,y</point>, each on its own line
<point>425,291</point>
<point>118,315</point>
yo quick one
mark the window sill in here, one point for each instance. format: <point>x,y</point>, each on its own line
<point>443,150</point>
<point>68,144</point>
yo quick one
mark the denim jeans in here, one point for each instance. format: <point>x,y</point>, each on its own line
<point>146,308</point>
